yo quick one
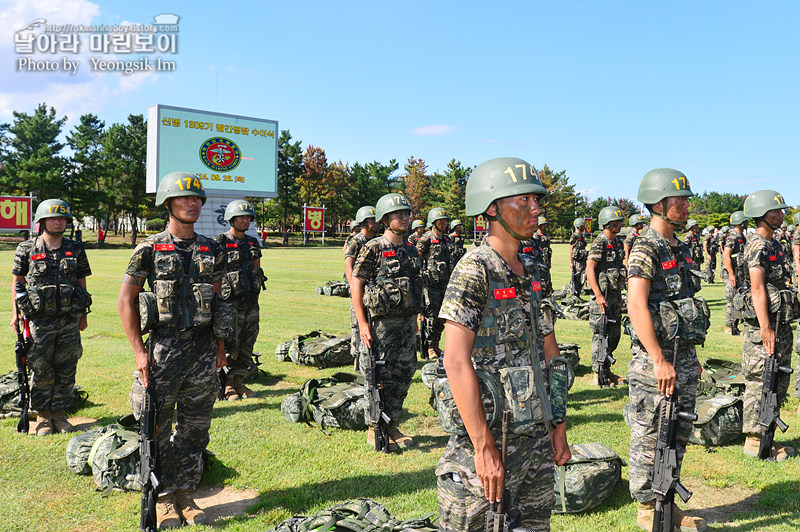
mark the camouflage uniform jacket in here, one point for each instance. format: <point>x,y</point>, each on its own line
<point>631,238</point>
<point>487,297</point>
<point>609,255</point>
<point>382,262</point>
<point>768,254</point>
<point>355,244</point>
<point>712,244</point>
<point>736,242</point>
<point>695,247</point>
<point>547,251</point>
<point>533,248</point>
<point>239,270</point>
<point>435,252</point>
<point>578,243</point>
<point>57,267</point>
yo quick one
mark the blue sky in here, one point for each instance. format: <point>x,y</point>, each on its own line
<point>603,90</point>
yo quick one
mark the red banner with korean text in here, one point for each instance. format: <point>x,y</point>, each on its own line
<point>15,212</point>
<point>314,219</point>
<point>588,221</point>
<point>480,224</point>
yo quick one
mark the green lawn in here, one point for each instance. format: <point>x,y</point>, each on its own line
<point>296,469</point>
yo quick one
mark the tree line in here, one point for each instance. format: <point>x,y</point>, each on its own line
<point>104,178</point>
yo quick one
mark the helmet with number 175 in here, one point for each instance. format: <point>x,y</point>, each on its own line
<point>52,208</point>
<point>761,202</point>
<point>178,184</point>
<point>239,208</point>
<point>437,213</point>
<point>367,211</point>
<point>609,214</point>
<point>390,203</point>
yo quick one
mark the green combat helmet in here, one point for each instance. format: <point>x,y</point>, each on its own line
<point>662,183</point>
<point>796,219</point>
<point>455,223</point>
<point>579,222</point>
<point>367,211</point>
<point>691,223</point>
<point>542,221</point>
<point>725,229</point>
<point>501,178</point>
<point>636,219</point>
<point>52,208</point>
<point>738,218</point>
<point>437,213</point>
<point>390,203</point>
<point>239,208</point>
<point>609,214</point>
<point>353,224</point>
<point>417,223</point>
<point>791,228</point>
<point>761,202</point>
<point>177,184</point>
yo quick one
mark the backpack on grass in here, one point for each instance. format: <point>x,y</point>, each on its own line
<point>587,479</point>
<point>334,288</point>
<point>9,396</point>
<point>357,515</point>
<point>339,401</point>
<point>318,349</point>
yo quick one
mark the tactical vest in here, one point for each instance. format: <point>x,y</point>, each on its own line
<point>395,291</point>
<point>677,313</point>
<point>712,245</point>
<point>51,288</point>
<point>438,266</point>
<point>739,242</point>
<point>457,250</point>
<point>241,278</point>
<point>533,248</point>
<point>547,251</point>
<point>695,248</point>
<point>611,272</point>
<point>579,252</point>
<point>782,300</point>
<point>183,300</point>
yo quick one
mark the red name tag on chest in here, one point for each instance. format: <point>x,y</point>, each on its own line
<point>392,253</point>
<point>609,246</point>
<point>203,248</point>
<point>536,286</point>
<point>165,247</point>
<point>527,250</point>
<point>505,293</point>
<point>689,260</point>
<point>40,256</point>
<point>67,253</point>
<point>231,245</point>
<point>669,264</point>
<point>773,258</point>
<point>434,241</point>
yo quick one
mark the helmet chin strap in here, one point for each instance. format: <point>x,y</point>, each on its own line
<point>665,217</point>
<point>499,217</point>
<point>49,232</point>
<point>396,232</point>
<point>173,215</point>
<point>771,226</point>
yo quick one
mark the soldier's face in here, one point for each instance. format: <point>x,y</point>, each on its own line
<point>521,213</point>
<point>441,225</point>
<point>678,208</point>
<point>615,226</point>
<point>241,223</point>
<point>399,220</point>
<point>187,208</point>
<point>371,224</point>
<point>774,217</point>
<point>420,230</point>
<point>55,225</point>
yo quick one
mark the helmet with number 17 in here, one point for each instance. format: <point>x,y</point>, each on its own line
<point>660,184</point>
<point>177,184</point>
<point>239,208</point>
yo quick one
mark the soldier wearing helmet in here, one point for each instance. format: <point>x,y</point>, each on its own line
<point>365,218</point>
<point>457,240</point>
<point>732,266</point>
<point>636,222</point>
<point>241,285</point>
<point>496,335</point>
<point>49,290</point>
<point>660,286</point>
<point>533,248</point>
<point>693,240</point>
<point>435,251</point>
<point>354,230</point>
<point>544,241</point>
<point>577,256</point>
<point>711,248</point>
<point>767,325</point>
<point>417,230</point>
<point>606,275</point>
<point>188,322</point>
<point>386,283</point>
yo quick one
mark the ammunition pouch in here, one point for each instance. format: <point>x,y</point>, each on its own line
<point>81,301</point>
<point>235,284</point>
<point>449,417</point>
<point>783,305</point>
<point>30,302</point>
<point>203,299</point>
<point>559,382</point>
<point>614,278</point>
<point>435,273</point>
<point>688,319</point>
<point>52,300</point>
<point>224,313</point>
<point>166,299</point>
<point>148,312</point>
<point>519,387</point>
<point>257,279</point>
<point>390,297</point>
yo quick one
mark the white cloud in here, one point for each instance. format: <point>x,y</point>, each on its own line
<point>436,130</point>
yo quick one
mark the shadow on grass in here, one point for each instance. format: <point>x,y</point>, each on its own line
<point>776,505</point>
<point>223,408</point>
<point>597,395</point>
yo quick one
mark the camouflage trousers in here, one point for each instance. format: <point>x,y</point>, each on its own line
<point>730,291</point>
<point>529,481</point>
<point>614,314</point>
<point>239,348</point>
<point>53,361</point>
<point>711,267</point>
<point>394,341</point>
<point>753,356</point>
<point>644,402</point>
<point>433,325</point>
<point>578,275</point>
<point>186,381</point>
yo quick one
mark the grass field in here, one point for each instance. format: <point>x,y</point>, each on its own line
<point>296,469</point>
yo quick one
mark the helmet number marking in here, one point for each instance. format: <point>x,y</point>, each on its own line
<point>779,199</point>
<point>680,183</point>
<point>513,174</point>
<point>190,183</point>
<point>53,209</point>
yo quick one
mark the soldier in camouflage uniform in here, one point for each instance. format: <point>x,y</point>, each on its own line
<point>417,230</point>
<point>365,217</point>
<point>457,240</point>
<point>494,325</point>
<point>241,285</point>
<point>189,324</point>
<point>55,268</point>
<point>577,256</point>
<point>533,248</point>
<point>637,224</point>
<point>659,276</point>
<point>388,266</point>
<point>796,263</point>
<point>734,274</point>
<point>435,252</point>
<point>544,241</point>
<point>354,230</point>
<point>769,334</point>
<point>605,272</point>
<point>693,240</point>
<point>711,248</point>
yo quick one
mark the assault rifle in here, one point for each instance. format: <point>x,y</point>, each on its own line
<point>378,417</point>
<point>423,338</point>
<point>498,517</point>
<point>769,410</point>
<point>21,353</point>
<point>222,373</point>
<point>666,481</point>
<point>149,467</point>
<point>604,354</point>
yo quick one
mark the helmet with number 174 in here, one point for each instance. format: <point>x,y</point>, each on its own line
<point>177,184</point>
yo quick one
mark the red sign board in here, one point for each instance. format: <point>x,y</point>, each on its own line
<point>15,212</point>
<point>314,219</point>
<point>481,225</point>
<point>588,225</point>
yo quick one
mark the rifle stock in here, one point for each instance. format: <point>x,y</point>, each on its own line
<point>149,468</point>
<point>21,355</point>
<point>769,409</point>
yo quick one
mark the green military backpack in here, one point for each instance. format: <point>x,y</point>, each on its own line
<point>334,288</point>
<point>318,349</point>
<point>110,454</point>
<point>587,479</point>
<point>357,515</point>
<point>339,401</point>
<point>9,396</point>
<point>719,404</point>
